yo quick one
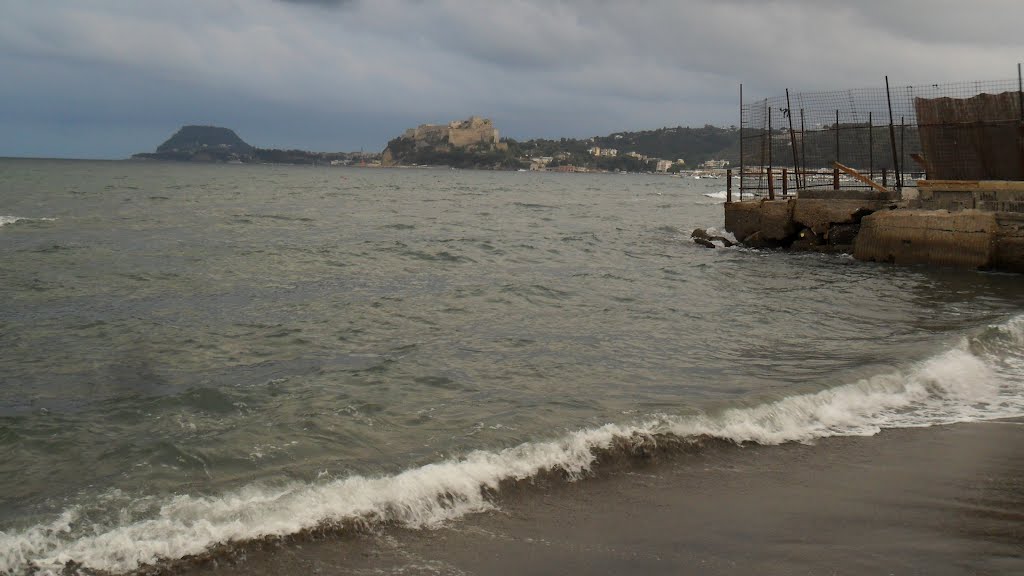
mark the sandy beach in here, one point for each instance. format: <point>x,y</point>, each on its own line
<point>929,501</point>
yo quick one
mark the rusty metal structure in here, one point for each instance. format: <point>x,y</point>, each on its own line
<point>881,139</point>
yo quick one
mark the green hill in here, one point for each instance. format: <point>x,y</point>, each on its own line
<point>203,143</point>
<point>694,145</point>
<point>195,138</point>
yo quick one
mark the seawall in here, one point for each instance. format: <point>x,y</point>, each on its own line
<point>971,226</point>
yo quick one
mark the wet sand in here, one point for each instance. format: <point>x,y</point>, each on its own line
<point>935,501</point>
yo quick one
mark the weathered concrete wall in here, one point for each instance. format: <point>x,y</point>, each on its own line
<point>1009,255</point>
<point>878,229</point>
<point>777,219</point>
<point>781,221</point>
<point>742,219</point>
<point>819,214</point>
<point>848,194</point>
<point>964,239</point>
<point>762,223</point>
<point>991,195</point>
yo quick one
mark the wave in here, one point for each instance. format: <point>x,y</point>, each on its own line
<point>722,195</point>
<point>981,378</point>
<point>5,220</point>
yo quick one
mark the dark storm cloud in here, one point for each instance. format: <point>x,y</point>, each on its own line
<point>354,77</point>
<point>327,3</point>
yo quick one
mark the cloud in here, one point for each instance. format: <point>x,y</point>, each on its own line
<point>539,68</point>
<point>328,3</point>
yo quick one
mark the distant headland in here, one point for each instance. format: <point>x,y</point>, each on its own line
<point>476,143</point>
<point>216,144</point>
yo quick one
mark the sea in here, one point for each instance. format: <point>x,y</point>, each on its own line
<point>197,356</point>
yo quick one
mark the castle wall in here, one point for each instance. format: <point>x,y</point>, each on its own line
<point>472,132</point>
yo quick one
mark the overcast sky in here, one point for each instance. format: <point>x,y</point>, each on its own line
<point>107,78</point>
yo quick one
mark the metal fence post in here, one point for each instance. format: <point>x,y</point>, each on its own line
<point>892,136</point>
<point>742,159</point>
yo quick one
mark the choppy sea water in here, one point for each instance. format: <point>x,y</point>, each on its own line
<point>193,355</point>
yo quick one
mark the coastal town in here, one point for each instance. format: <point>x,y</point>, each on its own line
<point>476,143</point>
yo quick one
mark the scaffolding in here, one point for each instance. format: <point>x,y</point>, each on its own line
<point>882,139</point>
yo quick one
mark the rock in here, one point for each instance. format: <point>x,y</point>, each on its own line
<point>701,236</point>
<point>806,240</point>
<point>842,234</point>
<point>756,240</point>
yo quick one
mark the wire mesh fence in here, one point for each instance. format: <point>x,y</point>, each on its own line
<point>889,136</point>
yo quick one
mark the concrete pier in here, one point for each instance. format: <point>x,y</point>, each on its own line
<point>967,225</point>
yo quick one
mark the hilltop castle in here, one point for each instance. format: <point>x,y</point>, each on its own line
<point>474,133</point>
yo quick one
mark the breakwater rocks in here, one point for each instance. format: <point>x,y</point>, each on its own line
<point>875,227</point>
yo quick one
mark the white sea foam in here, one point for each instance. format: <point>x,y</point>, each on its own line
<point>980,379</point>
<point>713,231</point>
<point>4,220</point>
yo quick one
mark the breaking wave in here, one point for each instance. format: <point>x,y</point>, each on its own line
<point>981,378</point>
<point>5,220</point>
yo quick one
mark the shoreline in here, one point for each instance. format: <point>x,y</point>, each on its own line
<point>939,500</point>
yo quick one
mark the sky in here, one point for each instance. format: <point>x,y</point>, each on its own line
<point>108,78</point>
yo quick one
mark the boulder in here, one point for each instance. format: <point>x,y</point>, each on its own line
<point>842,234</point>
<point>701,234</point>
<point>806,240</point>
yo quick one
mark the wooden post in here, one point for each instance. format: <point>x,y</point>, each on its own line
<point>728,186</point>
<point>785,182</point>
<point>835,178</point>
<point>885,174</point>
<point>771,184</point>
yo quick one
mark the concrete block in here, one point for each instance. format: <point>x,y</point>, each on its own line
<point>818,214</point>
<point>1009,254</point>
<point>742,219</point>
<point>848,194</point>
<point>777,219</point>
<point>963,239</point>
<point>1000,206</point>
